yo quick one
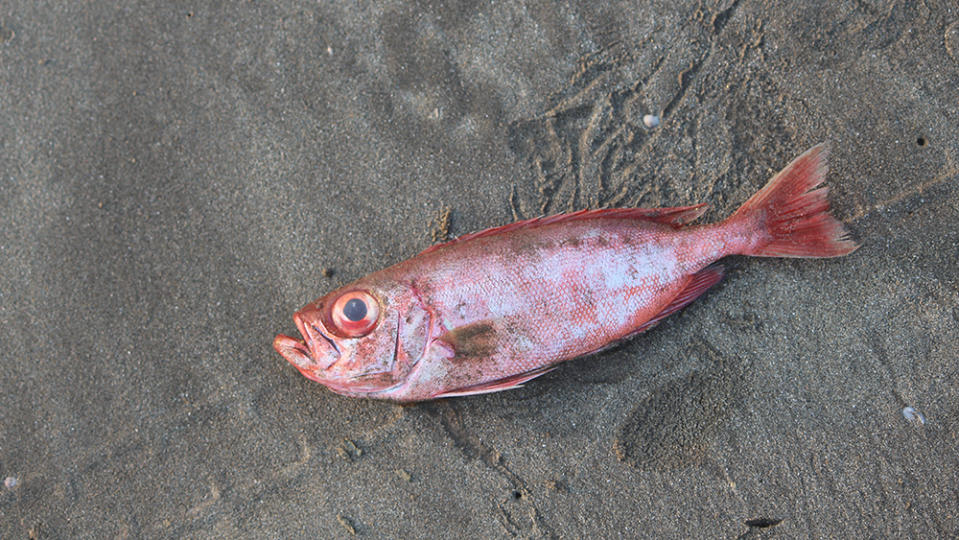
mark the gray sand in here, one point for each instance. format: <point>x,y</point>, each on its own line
<point>174,181</point>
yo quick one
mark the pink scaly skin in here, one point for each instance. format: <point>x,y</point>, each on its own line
<point>492,310</point>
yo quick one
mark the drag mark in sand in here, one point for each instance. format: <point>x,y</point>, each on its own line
<point>583,148</point>
<point>917,191</point>
<point>349,450</point>
<point>589,148</point>
<point>206,503</point>
<point>305,455</point>
<point>508,512</point>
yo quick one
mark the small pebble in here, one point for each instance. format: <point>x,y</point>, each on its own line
<point>10,482</point>
<point>556,485</point>
<point>914,416</point>
<point>347,524</point>
<point>651,120</point>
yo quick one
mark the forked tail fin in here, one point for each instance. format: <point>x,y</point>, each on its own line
<point>791,218</point>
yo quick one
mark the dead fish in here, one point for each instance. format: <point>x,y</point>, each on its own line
<point>491,310</point>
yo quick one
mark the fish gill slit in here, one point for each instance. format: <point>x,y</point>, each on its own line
<point>396,344</point>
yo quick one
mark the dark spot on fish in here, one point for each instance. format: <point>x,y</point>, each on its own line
<point>472,341</point>
<point>528,245</point>
<point>510,327</point>
<point>572,242</point>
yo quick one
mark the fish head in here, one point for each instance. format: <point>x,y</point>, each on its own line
<point>361,340</point>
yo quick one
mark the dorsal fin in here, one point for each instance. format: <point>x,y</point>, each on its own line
<point>676,217</point>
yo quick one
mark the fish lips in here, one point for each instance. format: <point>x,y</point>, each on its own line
<point>314,353</point>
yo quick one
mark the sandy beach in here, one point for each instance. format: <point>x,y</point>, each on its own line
<point>176,180</point>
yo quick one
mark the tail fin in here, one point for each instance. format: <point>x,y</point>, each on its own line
<point>791,218</point>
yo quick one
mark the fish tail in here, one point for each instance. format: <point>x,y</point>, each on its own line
<point>790,217</point>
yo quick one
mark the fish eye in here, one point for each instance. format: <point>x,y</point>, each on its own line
<point>354,309</point>
<point>356,313</point>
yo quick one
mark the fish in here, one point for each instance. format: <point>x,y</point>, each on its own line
<point>492,310</point>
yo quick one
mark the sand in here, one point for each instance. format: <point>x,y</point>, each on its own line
<point>176,180</point>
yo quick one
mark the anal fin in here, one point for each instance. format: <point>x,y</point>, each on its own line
<point>698,284</point>
<point>507,383</point>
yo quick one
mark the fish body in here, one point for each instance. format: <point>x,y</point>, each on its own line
<point>492,310</point>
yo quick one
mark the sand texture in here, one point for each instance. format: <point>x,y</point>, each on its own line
<point>176,179</point>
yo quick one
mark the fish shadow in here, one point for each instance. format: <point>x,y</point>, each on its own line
<point>675,425</point>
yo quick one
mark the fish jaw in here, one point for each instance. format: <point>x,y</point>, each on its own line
<point>322,348</point>
<point>295,351</point>
<point>313,354</point>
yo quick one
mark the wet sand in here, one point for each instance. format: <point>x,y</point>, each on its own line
<point>175,182</point>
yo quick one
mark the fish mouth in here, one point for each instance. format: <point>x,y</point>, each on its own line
<point>314,353</point>
<point>294,350</point>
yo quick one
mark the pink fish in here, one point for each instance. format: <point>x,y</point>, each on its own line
<point>491,310</point>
